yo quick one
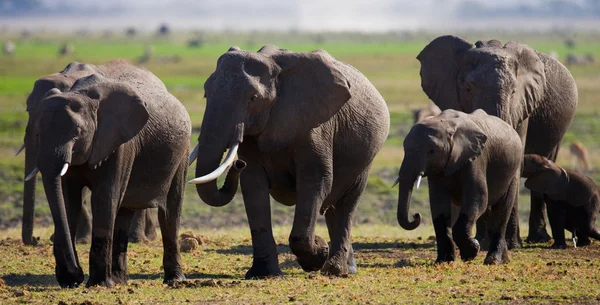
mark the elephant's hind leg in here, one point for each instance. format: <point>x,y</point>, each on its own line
<point>119,248</point>
<point>169,217</point>
<point>339,221</point>
<point>136,229</point>
<point>497,221</point>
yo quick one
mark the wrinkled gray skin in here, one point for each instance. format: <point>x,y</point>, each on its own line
<point>575,199</point>
<point>427,111</point>
<point>471,161</point>
<point>62,81</point>
<point>532,92</point>
<point>310,127</point>
<point>126,139</point>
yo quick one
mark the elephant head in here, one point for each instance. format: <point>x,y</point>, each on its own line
<point>273,96</point>
<point>544,176</point>
<point>63,82</point>
<point>506,81</point>
<point>438,145</point>
<point>79,127</point>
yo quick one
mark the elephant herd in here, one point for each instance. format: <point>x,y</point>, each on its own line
<point>304,128</point>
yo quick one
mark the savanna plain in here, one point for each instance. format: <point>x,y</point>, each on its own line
<point>395,266</point>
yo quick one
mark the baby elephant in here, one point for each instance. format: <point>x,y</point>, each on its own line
<point>574,200</point>
<point>472,161</point>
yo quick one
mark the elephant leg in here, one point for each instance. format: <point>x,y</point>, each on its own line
<point>119,248</point>
<point>513,236</point>
<point>137,226</point>
<point>313,184</point>
<point>84,225</point>
<point>104,211</point>
<point>583,239</point>
<point>341,260</point>
<point>255,190</point>
<point>473,205</point>
<point>537,223</point>
<point>557,218</point>
<point>331,228</point>
<point>481,232</point>
<point>497,220</point>
<point>28,209</point>
<point>442,213</point>
<point>169,217</point>
<point>150,228</point>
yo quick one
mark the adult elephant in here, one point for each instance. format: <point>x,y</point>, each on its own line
<point>308,127</point>
<point>121,134</point>
<point>531,91</point>
<point>62,81</point>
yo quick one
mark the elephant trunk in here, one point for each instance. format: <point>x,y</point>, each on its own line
<point>29,189</point>
<point>406,180</point>
<point>63,245</point>
<point>209,157</point>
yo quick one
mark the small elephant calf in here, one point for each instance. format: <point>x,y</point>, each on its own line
<point>472,161</point>
<point>574,199</point>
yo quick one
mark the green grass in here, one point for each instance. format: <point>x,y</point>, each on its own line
<point>396,265</point>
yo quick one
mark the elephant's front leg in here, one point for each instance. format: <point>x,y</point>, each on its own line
<point>537,223</point>
<point>104,210</point>
<point>557,218</point>
<point>313,184</point>
<point>474,203</point>
<point>119,248</point>
<point>255,190</point>
<point>441,213</point>
<point>72,191</point>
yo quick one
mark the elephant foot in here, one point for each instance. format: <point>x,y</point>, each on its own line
<point>335,266</point>
<point>468,249</point>
<point>137,238</point>
<point>83,240</point>
<point>105,282</point>
<point>310,260</point>
<point>539,236</point>
<point>120,277</point>
<point>352,267</point>
<point>262,269</point>
<point>583,241</point>
<point>445,257</point>
<point>514,243</point>
<point>173,278</point>
<point>68,280</point>
<point>151,235</point>
<point>497,257</point>
<point>557,245</point>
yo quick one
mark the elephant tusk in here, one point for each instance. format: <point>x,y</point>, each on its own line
<point>396,182</point>
<point>231,154</point>
<point>32,174</point>
<point>419,181</point>
<point>20,149</point>
<point>63,171</point>
<point>193,155</point>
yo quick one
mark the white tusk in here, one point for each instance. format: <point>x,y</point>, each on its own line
<point>63,171</point>
<point>20,149</point>
<point>193,155</point>
<point>419,181</point>
<point>32,174</point>
<point>396,182</point>
<point>221,169</point>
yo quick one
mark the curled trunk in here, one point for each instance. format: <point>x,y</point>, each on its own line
<point>406,182</point>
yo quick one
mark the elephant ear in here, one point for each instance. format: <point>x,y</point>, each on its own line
<point>439,70</point>
<point>547,181</point>
<point>530,73</point>
<point>468,142</point>
<point>121,116</point>
<point>311,89</point>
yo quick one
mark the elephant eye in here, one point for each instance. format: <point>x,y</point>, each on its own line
<point>430,152</point>
<point>253,97</point>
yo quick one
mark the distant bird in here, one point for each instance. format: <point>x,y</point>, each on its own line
<point>579,157</point>
<point>8,48</point>
<point>570,43</point>
<point>66,49</point>
<point>130,32</point>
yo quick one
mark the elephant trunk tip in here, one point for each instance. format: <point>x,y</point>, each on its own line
<point>239,165</point>
<point>410,225</point>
